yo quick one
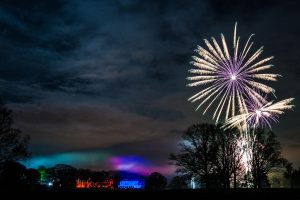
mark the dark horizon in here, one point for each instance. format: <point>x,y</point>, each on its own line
<point>101,84</point>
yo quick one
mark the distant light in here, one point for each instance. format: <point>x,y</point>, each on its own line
<point>193,184</point>
<point>50,184</point>
<point>233,77</point>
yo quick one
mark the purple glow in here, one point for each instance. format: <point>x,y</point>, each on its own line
<point>138,165</point>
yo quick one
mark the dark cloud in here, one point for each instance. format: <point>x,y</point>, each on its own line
<point>83,126</point>
<point>91,74</point>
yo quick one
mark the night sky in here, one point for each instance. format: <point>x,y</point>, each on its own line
<point>101,84</point>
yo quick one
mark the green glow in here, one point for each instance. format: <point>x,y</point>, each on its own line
<point>43,174</point>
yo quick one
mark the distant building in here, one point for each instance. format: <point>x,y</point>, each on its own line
<point>131,184</point>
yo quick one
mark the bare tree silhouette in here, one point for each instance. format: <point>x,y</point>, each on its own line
<point>13,145</point>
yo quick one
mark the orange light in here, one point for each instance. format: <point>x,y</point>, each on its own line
<point>106,184</point>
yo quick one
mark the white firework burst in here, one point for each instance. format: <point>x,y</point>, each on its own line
<point>259,115</point>
<point>229,78</point>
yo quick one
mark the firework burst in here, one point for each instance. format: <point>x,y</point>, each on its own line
<point>259,115</point>
<point>229,79</point>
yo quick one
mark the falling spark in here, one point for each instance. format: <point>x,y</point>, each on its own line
<point>229,79</point>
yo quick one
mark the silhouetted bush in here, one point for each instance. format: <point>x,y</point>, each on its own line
<point>156,181</point>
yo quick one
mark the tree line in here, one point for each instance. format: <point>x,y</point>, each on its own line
<point>64,177</point>
<point>218,158</point>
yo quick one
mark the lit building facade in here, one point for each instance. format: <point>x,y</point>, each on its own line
<point>107,184</point>
<point>134,184</point>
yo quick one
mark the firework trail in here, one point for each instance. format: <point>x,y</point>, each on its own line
<point>230,78</point>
